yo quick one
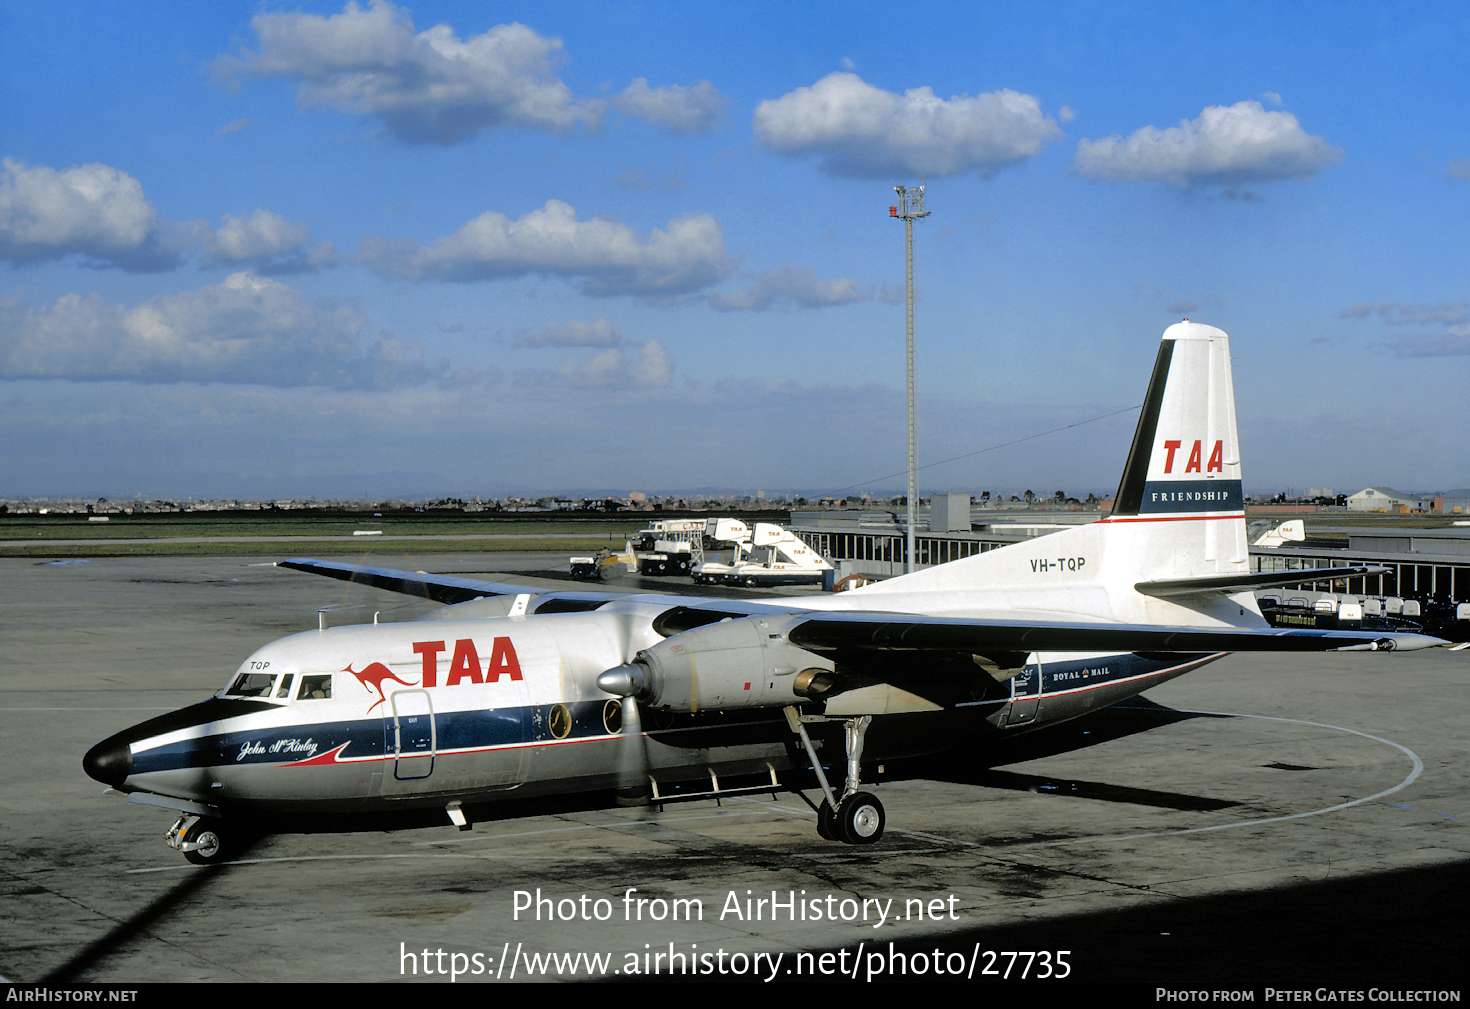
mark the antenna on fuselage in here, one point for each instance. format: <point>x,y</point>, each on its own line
<point>321,613</point>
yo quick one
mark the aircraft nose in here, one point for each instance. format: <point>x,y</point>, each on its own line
<point>110,761</point>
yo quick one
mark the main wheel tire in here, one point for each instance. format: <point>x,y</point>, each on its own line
<point>860,819</point>
<point>827,822</point>
<point>211,840</point>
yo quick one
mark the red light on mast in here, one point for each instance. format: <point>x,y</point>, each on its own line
<point>892,211</point>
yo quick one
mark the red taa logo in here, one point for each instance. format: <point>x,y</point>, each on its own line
<point>464,666</point>
<point>1215,465</point>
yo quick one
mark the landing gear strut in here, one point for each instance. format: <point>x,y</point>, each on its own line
<point>856,817</point>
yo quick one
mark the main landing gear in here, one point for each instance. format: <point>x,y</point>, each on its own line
<point>857,817</point>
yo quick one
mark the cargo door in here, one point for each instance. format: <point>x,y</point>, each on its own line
<point>1025,694</point>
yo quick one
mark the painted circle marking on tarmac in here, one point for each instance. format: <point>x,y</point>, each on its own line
<point>1414,773</point>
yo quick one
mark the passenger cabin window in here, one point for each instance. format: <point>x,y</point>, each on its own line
<point>252,685</point>
<point>315,688</point>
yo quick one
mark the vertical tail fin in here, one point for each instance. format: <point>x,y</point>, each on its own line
<point>1185,458</point>
<point>1184,466</point>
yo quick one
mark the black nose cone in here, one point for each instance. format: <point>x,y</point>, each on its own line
<point>110,761</point>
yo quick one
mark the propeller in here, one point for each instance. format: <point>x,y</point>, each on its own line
<point>633,787</point>
<point>627,682</point>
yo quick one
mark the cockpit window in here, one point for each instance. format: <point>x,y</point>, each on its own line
<point>285,688</point>
<point>252,685</point>
<point>315,687</point>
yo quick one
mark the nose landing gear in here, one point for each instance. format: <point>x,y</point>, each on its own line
<point>202,839</point>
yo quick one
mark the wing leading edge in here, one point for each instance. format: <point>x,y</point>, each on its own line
<point>440,588</point>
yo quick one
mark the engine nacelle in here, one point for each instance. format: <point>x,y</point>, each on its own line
<point>736,663</point>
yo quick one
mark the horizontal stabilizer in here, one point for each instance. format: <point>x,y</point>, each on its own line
<point>1226,584</point>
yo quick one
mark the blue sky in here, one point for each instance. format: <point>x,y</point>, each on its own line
<point>447,248</point>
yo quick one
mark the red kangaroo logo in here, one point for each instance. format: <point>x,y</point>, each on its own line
<point>372,679</point>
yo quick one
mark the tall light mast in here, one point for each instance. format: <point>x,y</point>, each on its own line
<point>910,208</point>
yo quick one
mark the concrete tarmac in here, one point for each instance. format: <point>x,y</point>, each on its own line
<point>1289,822</point>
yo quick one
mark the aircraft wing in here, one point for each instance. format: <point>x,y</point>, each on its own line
<point>440,588</point>
<point>852,633</point>
<point>863,635</point>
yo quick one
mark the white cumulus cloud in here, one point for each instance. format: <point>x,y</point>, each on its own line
<point>606,256</point>
<point>649,367</point>
<point>574,334</point>
<point>1226,145</point>
<point>265,242</point>
<point>426,86</point>
<point>677,109</point>
<point>860,131</point>
<point>260,236</point>
<point>94,211</point>
<point>794,287</point>
<point>249,330</point>
<point>101,214</point>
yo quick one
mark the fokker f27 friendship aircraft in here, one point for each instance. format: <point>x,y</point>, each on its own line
<point>509,691</point>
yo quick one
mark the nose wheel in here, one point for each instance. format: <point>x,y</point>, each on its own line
<point>203,841</point>
<point>857,817</point>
